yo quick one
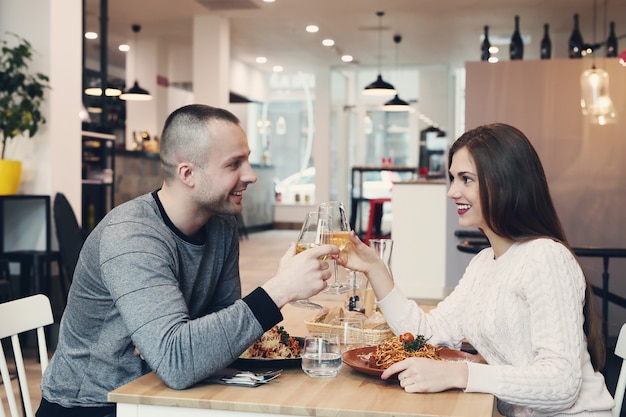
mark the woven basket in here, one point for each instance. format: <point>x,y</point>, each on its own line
<point>372,337</point>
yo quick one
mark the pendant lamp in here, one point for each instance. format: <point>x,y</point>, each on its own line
<point>109,91</point>
<point>379,87</point>
<point>397,104</point>
<point>595,101</point>
<point>136,93</point>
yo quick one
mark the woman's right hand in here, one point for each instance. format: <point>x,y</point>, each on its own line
<point>360,257</point>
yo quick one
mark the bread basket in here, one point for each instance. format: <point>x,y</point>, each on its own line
<point>372,337</point>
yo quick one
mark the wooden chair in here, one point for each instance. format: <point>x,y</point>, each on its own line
<point>20,316</point>
<point>620,350</point>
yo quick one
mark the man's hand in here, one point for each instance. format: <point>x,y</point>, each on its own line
<point>300,276</point>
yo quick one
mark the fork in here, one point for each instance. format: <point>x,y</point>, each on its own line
<point>261,376</point>
<point>251,378</point>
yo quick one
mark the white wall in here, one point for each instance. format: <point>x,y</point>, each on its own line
<point>584,163</point>
<point>52,159</point>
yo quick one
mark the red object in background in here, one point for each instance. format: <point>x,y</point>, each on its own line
<point>622,57</point>
<point>423,171</point>
<point>163,81</point>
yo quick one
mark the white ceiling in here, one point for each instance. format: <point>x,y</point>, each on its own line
<point>434,32</point>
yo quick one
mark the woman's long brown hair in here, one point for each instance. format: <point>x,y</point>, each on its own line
<point>516,202</point>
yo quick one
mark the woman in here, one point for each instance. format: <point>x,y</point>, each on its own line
<point>523,303</point>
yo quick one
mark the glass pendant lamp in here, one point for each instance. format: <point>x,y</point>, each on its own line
<point>595,101</point>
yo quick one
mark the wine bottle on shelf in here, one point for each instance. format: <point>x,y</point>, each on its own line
<point>516,48</point>
<point>575,46</point>
<point>546,43</point>
<point>484,47</point>
<point>611,42</point>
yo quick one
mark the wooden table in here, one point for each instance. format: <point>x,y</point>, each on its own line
<point>350,394</point>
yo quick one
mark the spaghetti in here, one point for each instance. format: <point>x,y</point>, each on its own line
<point>392,350</point>
<point>273,344</point>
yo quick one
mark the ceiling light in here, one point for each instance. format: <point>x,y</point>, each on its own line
<point>109,91</point>
<point>347,58</point>
<point>379,87</point>
<point>277,68</point>
<point>328,42</point>
<point>261,60</point>
<point>91,35</point>
<point>595,101</point>
<point>123,48</point>
<point>312,29</point>
<point>396,104</point>
<point>136,93</point>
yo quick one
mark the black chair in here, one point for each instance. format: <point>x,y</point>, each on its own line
<point>70,237</point>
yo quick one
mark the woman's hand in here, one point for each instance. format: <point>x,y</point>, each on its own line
<point>360,257</point>
<point>428,375</point>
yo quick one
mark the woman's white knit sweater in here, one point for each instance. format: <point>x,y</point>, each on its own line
<point>523,312</point>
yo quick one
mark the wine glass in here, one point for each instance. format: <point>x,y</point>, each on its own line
<point>311,235</point>
<point>339,227</point>
<point>383,248</point>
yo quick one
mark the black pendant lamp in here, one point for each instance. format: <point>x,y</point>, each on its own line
<point>379,87</point>
<point>397,104</point>
<point>136,93</point>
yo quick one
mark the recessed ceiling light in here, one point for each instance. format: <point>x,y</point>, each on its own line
<point>269,1</point>
<point>124,47</point>
<point>312,29</point>
<point>277,68</point>
<point>91,35</point>
<point>328,42</point>
<point>347,58</point>
<point>493,59</point>
<point>261,60</point>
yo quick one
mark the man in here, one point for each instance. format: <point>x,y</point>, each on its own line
<point>157,286</point>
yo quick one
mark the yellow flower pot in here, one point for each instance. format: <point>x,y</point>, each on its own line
<point>10,173</point>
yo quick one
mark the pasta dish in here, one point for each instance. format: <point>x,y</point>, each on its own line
<point>273,344</point>
<point>395,349</point>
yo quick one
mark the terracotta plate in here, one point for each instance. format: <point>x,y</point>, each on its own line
<point>357,358</point>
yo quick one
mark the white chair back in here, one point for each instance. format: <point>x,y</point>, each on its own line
<point>620,350</point>
<point>19,316</point>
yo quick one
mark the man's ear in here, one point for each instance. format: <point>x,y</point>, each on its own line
<point>185,172</point>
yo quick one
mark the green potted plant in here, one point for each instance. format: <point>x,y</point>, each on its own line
<point>21,96</point>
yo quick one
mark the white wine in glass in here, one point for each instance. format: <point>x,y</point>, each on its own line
<point>311,235</point>
<point>339,227</point>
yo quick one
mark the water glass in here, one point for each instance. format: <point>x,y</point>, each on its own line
<point>350,332</point>
<point>321,355</point>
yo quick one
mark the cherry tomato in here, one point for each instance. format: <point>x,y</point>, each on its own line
<point>407,337</point>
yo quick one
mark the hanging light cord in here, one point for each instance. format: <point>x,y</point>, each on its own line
<point>397,39</point>
<point>136,28</point>
<point>380,40</point>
